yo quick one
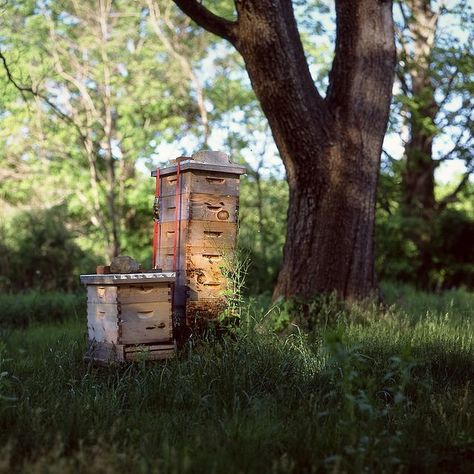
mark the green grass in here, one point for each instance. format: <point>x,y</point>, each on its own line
<point>363,391</point>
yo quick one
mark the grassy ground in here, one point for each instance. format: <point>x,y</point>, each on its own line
<point>365,390</point>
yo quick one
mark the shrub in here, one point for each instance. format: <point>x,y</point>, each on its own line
<point>39,251</point>
<point>22,309</point>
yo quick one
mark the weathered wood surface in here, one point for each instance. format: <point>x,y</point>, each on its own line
<point>101,294</point>
<point>198,229</point>
<point>168,184</point>
<point>207,235</point>
<point>105,353</point>
<point>132,315</point>
<point>128,279</point>
<point>149,352</point>
<point>200,207</point>
<point>202,285</point>
<point>127,294</point>
<point>144,294</point>
<point>145,322</point>
<point>102,322</point>
<point>215,183</point>
<point>205,160</point>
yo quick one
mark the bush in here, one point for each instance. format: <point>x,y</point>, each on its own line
<point>431,254</point>
<point>39,251</point>
<point>21,309</point>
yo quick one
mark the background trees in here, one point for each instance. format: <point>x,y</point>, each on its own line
<point>434,115</point>
<point>172,88</point>
<point>103,88</point>
<point>330,146</point>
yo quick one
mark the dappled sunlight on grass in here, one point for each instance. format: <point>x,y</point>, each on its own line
<point>386,390</point>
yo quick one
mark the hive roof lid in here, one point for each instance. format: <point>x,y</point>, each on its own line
<point>128,278</point>
<point>205,160</point>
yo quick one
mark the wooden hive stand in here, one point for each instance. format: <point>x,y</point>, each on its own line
<point>198,207</point>
<point>129,316</point>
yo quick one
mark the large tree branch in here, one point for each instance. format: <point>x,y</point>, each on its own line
<point>24,89</point>
<point>453,196</point>
<point>213,23</point>
<point>363,69</point>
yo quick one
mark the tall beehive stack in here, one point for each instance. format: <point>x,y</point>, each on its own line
<point>197,230</point>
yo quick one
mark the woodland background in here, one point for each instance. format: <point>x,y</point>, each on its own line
<point>96,94</point>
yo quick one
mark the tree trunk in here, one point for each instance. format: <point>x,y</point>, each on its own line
<point>418,176</point>
<point>330,146</point>
<point>418,183</point>
<point>329,242</point>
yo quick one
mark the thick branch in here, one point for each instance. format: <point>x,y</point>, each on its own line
<point>453,197</point>
<point>213,23</point>
<point>363,69</point>
<point>35,93</point>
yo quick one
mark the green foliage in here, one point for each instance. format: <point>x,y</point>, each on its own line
<point>39,251</point>
<point>433,253</point>
<point>388,393</point>
<point>262,229</point>
<point>36,307</point>
<point>234,269</point>
<point>110,93</point>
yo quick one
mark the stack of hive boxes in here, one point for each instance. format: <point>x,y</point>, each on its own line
<point>198,216</point>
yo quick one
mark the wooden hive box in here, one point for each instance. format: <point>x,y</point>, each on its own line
<point>129,316</point>
<point>197,231</point>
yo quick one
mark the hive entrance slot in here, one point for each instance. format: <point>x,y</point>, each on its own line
<point>212,233</point>
<point>211,256</point>
<point>213,180</point>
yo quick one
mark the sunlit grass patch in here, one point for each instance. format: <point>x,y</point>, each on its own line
<point>386,391</point>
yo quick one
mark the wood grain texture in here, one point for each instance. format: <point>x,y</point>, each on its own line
<point>102,322</point>
<point>168,184</point>
<point>145,322</point>
<point>206,182</point>
<point>208,235</point>
<point>101,294</point>
<point>217,184</point>
<point>200,207</point>
<point>144,294</point>
<point>149,352</point>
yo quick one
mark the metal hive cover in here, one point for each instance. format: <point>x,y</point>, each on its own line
<point>205,160</point>
<point>128,278</point>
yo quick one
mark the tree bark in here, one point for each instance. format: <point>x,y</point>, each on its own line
<point>418,176</point>
<point>330,146</point>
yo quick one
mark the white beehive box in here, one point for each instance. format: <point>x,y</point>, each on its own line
<point>129,316</point>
